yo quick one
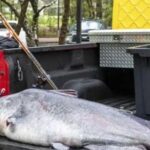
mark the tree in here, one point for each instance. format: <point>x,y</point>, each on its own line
<point>64,27</point>
<point>107,11</point>
<point>91,9</point>
<point>12,8</point>
<point>32,33</point>
<point>20,14</point>
<point>36,14</point>
<point>99,9</point>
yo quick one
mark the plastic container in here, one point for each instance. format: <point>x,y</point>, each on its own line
<point>131,14</point>
<point>142,79</point>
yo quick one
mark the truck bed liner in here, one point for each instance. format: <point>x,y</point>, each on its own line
<point>125,103</point>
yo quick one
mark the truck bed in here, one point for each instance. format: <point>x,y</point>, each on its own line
<point>125,103</point>
<point>68,65</point>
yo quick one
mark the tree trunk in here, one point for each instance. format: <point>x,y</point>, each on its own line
<point>22,17</point>
<point>11,7</point>
<point>91,9</point>
<point>17,14</point>
<point>99,9</point>
<point>64,27</point>
<point>35,18</point>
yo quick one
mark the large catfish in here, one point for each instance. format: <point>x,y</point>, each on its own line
<point>43,117</point>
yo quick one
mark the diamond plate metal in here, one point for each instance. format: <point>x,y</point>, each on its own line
<point>114,55</point>
<point>113,45</point>
<point>121,36</point>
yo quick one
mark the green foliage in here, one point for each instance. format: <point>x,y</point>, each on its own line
<point>48,26</point>
<point>49,19</point>
<point>85,13</point>
<point>108,13</point>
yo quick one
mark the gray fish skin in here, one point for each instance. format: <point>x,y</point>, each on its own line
<point>108,147</point>
<point>44,117</point>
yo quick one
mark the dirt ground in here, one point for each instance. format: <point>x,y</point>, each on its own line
<point>48,41</point>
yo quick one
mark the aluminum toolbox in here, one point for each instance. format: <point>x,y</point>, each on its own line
<point>113,45</point>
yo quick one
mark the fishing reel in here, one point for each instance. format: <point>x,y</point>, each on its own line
<point>40,82</point>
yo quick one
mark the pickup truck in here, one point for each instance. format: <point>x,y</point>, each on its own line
<point>75,66</point>
<point>70,67</point>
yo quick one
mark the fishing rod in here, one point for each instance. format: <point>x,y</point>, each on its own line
<point>29,54</point>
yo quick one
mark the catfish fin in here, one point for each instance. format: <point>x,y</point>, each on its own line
<point>59,146</point>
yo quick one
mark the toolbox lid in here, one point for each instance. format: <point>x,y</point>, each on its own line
<point>121,32</point>
<point>120,36</point>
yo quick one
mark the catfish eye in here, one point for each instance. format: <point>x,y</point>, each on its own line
<point>10,121</point>
<point>7,123</point>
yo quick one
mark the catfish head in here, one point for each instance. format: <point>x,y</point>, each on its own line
<point>8,107</point>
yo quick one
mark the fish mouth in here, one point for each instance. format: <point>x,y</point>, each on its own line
<point>1,131</point>
<point>2,134</point>
<point>3,125</point>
